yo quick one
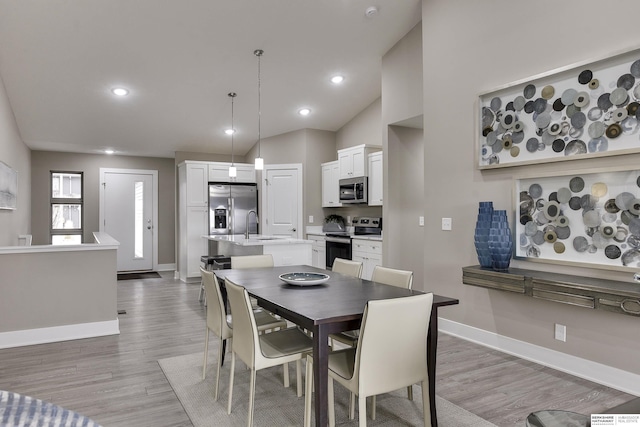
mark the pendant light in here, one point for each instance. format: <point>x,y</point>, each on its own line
<point>259,165</point>
<point>232,169</point>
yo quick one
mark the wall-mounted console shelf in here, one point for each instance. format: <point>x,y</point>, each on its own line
<point>600,294</point>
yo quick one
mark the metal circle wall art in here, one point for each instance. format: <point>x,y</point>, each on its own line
<point>574,113</point>
<point>581,218</point>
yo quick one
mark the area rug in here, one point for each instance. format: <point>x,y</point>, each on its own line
<point>131,276</point>
<point>279,406</point>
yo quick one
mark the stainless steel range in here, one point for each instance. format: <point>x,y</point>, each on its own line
<point>338,243</point>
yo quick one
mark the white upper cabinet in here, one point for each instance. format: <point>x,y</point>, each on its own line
<point>353,160</point>
<point>219,172</point>
<point>330,189</point>
<point>196,184</point>
<point>375,179</point>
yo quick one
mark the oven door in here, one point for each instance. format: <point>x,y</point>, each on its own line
<point>337,248</point>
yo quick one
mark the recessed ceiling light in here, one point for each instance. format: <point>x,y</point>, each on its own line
<point>337,79</point>
<point>109,151</point>
<point>304,111</point>
<point>229,131</point>
<point>120,91</point>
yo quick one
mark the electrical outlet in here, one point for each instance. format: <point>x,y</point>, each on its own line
<point>421,221</point>
<point>561,332</point>
<point>310,219</point>
<point>446,224</point>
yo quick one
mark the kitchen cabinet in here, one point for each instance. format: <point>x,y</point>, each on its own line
<point>219,172</point>
<point>368,252</point>
<point>375,179</point>
<point>330,189</point>
<point>196,183</point>
<point>353,160</point>
<point>318,250</point>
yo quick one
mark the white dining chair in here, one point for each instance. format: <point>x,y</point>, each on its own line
<point>221,324</point>
<point>383,361</point>
<point>348,267</point>
<point>392,276</point>
<point>252,261</point>
<point>261,351</point>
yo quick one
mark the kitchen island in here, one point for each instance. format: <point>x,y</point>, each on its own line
<point>285,250</point>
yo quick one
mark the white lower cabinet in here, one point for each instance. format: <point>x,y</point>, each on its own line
<point>369,253</point>
<point>318,251</point>
<point>196,224</point>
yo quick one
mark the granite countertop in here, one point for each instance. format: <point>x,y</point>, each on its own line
<point>256,240</point>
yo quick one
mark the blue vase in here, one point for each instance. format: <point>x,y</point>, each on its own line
<point>500,241</point>
<point>481,234</point>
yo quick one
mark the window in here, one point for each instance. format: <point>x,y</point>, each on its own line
<point>66,208</point>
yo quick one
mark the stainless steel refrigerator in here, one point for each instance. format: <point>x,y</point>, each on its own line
<point>229,205</point>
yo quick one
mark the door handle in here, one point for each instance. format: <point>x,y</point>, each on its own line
<point>293,229</point>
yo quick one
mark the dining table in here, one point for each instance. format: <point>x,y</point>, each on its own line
<point>336,305</point>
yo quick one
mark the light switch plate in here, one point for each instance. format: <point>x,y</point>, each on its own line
<point>561,332</point>
<point>310,219</point>
<point>446,224</point>
<point>421,221</point>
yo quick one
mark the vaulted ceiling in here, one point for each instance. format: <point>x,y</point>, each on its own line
<point>60,60</point>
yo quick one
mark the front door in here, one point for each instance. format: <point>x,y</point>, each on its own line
<point>127,214</point>
<point>282,200</point>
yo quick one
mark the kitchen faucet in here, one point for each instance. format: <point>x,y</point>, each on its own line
<point>246,232</point>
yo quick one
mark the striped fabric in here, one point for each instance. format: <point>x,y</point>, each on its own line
<point>17,410</point>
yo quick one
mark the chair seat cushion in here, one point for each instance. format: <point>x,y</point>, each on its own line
<point>285,342</point>
<point>342,362</point>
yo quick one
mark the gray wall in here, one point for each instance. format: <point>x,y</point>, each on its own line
<point>15,154</point>
<point>364,128</point>
<point>45,161</point>
<point>460,44</point>
<point>403,160</point>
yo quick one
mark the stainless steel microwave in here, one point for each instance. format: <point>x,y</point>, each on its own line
<point>353,190</point>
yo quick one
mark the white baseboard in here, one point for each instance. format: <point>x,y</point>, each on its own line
<point>166,267</point>
<point>59,333</point>
<point>582,368</point>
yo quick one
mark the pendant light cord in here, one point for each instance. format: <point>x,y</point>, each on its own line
<point>232,95</point>
<point>258,53</point>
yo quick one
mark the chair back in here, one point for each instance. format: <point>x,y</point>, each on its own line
<point>348,267</point>
<point>392,354</point>
<point>216,313</point>
<point>245,341</point>
<point>392,276</point>
<point>252,261</point>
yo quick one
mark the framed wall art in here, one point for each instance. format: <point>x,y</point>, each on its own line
<point>580,218</point>
<point>8,187</point>
<point>584,110</point>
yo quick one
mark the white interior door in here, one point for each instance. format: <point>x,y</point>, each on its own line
<point>128,213</point>
<point>282,200</point>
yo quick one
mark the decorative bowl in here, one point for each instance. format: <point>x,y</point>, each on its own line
<point>303,278</point>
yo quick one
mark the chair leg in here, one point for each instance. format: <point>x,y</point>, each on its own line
<point>352,406</point>
<point>410,392</point>
<point>308,385</point>
<point>426,408</point>
<point>201,294</point>
<point>285,368</point>
<point>331,404</point>
<point>252,395</point>
<point>206,351</point>
<point>299,377</point>
<point>233,366</point>
<point>373,407</point>
<point>215,395</point>
<point>362,411</point>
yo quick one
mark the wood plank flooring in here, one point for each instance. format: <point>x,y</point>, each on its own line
<point>116,380</point>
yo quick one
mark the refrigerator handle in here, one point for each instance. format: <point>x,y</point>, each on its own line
<point>231,215</point>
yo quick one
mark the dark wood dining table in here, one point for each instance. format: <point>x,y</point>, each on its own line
<point>334,306</point>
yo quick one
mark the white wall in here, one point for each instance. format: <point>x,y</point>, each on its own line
<point>16,155</point>
<point>470,47</point>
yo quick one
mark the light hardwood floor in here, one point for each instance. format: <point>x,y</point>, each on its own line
<point>117,381</point>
